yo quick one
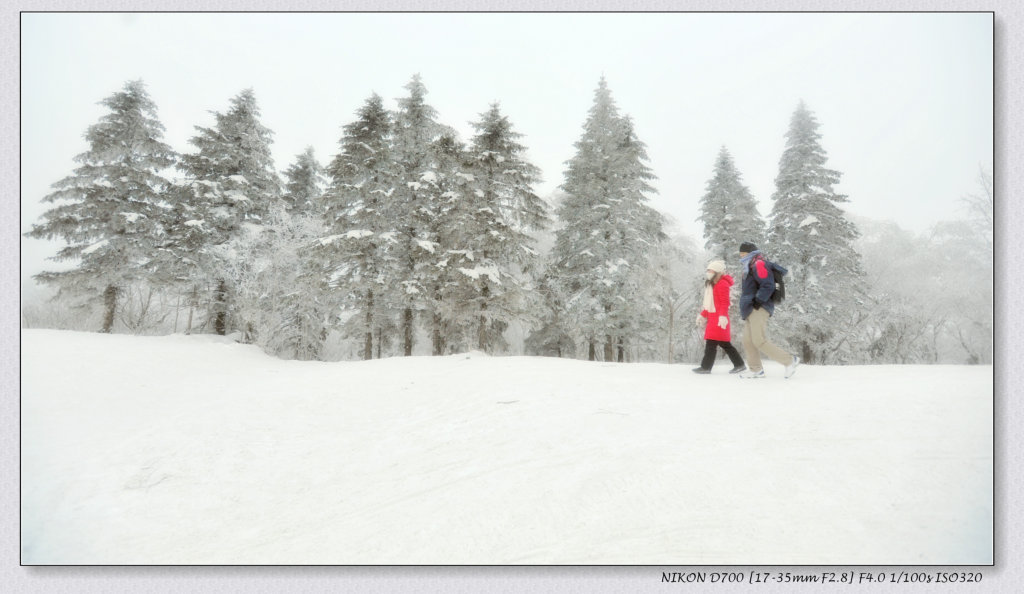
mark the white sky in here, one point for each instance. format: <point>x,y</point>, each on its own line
<point>905,100</point>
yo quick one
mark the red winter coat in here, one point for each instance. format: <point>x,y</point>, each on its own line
<point>720,292</point>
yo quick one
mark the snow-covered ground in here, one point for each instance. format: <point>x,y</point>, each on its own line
<point>197,450</point>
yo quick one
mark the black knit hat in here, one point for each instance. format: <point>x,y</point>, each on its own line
<point>748,247</point>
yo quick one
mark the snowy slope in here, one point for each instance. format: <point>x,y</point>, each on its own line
<point>195,450</point>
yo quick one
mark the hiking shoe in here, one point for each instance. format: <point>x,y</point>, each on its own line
<point>791,368</point>
<point>701,370</point>
<point>749,374</point>
<point>738,369</point>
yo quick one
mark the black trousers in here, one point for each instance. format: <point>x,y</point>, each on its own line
<point>711,349</point>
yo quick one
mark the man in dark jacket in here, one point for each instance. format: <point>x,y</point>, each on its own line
<point>756,306</point>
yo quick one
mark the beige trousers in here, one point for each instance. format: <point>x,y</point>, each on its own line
<point>755,341</point>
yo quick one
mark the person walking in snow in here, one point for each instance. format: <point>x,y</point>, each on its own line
<point>715,314</point>
<point>756,306</point>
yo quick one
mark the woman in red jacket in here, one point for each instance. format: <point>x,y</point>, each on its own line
<point>715,314</point>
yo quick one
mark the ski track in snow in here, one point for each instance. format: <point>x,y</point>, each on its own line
<point>197,450</point>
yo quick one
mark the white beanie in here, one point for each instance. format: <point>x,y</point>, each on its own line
<point>717,265</point>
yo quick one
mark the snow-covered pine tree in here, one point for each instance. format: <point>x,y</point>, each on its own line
<point>361,220</point>
<point>492,221</point>
<point>810,236</point>
<point>641,237</point>
<point>598,258</point>
<point>728,211</point>
<point>499,164</point>
<point>182,256</point>
<point>110,209</point>
<point>233,183</point>
<point>447,184</point>
<point>415,209</point>
<point>304,185</point>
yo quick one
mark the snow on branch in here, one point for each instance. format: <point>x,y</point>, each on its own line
<point>490,271</point>
<point>132,217</point>
<point>329,239</point>
<point>98,245</point>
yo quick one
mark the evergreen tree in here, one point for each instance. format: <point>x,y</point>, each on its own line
<point>232,183</point>
<point>450,256</point>
<point>499,164</point>
<point>491,222</point>
<point>304,185</point>
<point>361,220</point>
<point>182,258</point>
<point>110,210</point>
<point>599,258</point>
<point>415,209</point>
<point>728,211</point>
<point>810,235</point>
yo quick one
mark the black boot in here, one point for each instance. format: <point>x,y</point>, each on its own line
<point>701,370</point>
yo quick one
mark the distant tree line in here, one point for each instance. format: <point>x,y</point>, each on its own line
<point>413,240</point>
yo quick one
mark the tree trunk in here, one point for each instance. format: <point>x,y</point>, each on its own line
<point>407,330</point>
<point>380,341</point>
<point>220,320</point>
<point>438,339</point>
<point>608,350</point>
<point>807,355</point>
<point>193,302</point>
<point>671,330</point>
<point>177,313</point>
<point>368,343</point>
<point>481,332</point>
<point>109,306</point>
<point>591,351</point>
<point>622,350</point>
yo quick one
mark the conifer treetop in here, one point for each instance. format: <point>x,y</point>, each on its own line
<point>802,165</point>
<point>728,210</point>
